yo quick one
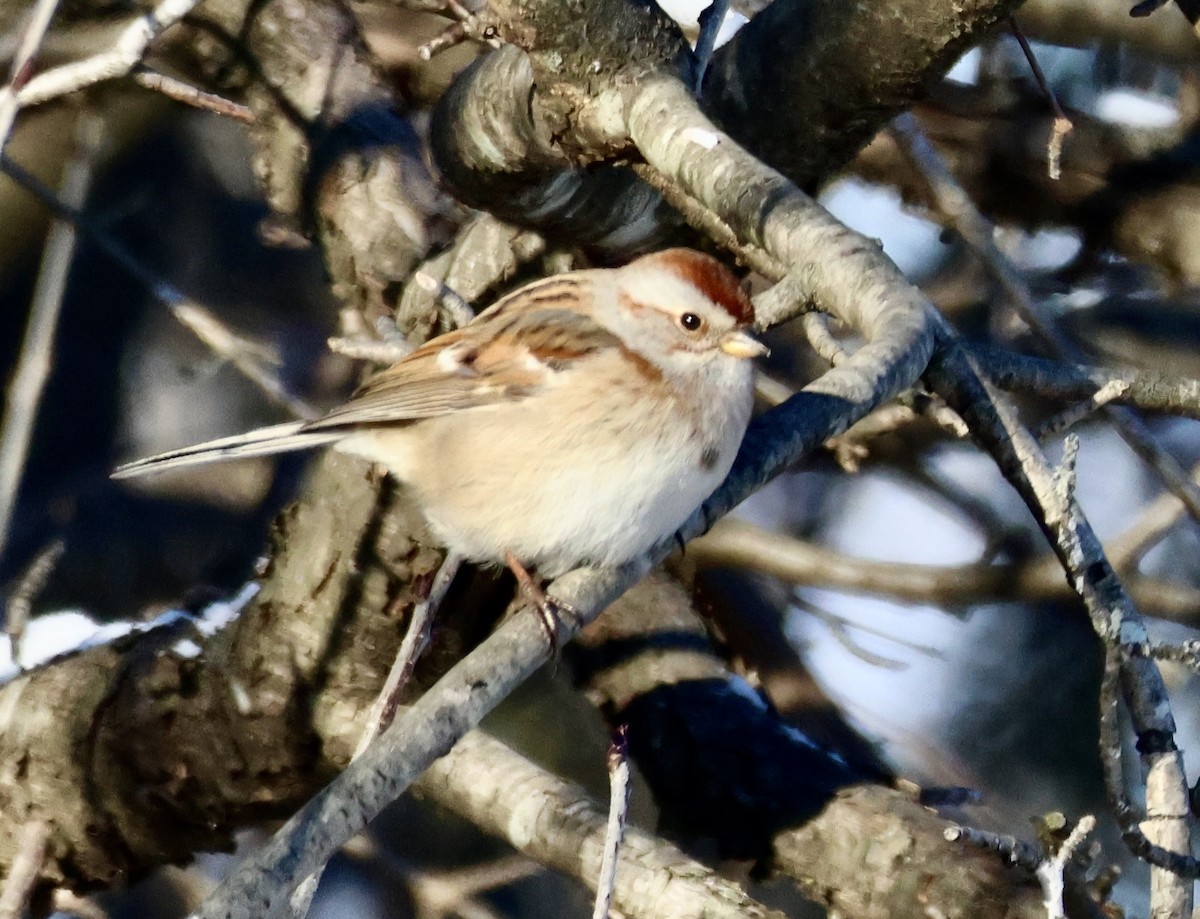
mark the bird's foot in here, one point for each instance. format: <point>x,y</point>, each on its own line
<point>550,610</point>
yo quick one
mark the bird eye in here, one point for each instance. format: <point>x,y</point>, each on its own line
<point>691,322</point>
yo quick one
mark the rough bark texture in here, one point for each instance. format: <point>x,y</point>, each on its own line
<point>335,153</point>
<point>806,84</point>
<point>140,754</point>
<point>869,61</point>
<point>874,832</point>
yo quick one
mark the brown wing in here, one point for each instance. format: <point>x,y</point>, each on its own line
<point>503,355</point>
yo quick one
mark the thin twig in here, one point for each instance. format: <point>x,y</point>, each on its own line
<point>851,448</point>
<point>252,360</point>
<point>183,92</point>
<point>1073,414</point>
<point>466,26</point>
<point>1051,873</point>
<point>163,291</point>
<point>37,349</point>
<point>840,630</point>
<point>618,814</point>
<point>22,64</point>
<point>978,233</point>
<point>359,349</point>
<point>20,601</point>
<point>1016,851</point>
<point>414,643</point>
<point>737,543</point>
<point>125,54</point>
<point>458,310</point>
<point>453,893</point>
<point>25,869</point>
<point>558,824</point>
<point>1156,520</point>
<point>1062,122</point>
<point>453,35</point>
<point>1050,870</point>
<point>387,703</point>
<point>820,337</point>
<point>995,425</point>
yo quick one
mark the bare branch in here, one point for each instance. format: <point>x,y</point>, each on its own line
<point>23,874</point>
<point>737,543</point>
<point>183,92</point>
<point>416,638</point>
<point>1114,618</point>
<point>37,348</point>
<point>20,600</point>
<point>979,234</point>
<point>250,359</point>
<point>863,289</point>
<point>22,63</point>
<point>617,825</point>
<point>118,61</point>
<point>1146,390</point>
<point>1051,872</point>
<point>1163,513</point>
<point>1074,414</point>
<point>1062,122</point>
<point>557,824</point>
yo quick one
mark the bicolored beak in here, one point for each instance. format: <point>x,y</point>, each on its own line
<point>740,344</point>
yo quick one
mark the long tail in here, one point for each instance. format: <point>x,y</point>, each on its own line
<point>279,438</point>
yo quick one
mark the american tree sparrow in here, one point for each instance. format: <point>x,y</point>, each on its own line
<point>579,420</point>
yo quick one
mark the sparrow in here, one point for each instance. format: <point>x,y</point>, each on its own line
<point>578,421</point>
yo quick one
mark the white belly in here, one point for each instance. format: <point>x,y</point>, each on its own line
<point>613,478</point>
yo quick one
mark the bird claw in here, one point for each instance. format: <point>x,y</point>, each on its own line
<point>549,609</point>
<point>550,613</point>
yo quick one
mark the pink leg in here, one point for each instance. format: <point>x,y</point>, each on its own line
<point>547,607</point>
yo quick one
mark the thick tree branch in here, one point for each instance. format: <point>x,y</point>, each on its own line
<point>566,106</point>
<point>313,647</point>
<point>724,765</point>
<point>871,61</point>
<point>140,753</point>
<point>335,155</point>
<point>557,824</point>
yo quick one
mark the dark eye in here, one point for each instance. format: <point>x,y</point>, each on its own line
<point>691,322</point>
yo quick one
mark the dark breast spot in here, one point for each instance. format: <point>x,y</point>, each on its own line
<point>708,459</point>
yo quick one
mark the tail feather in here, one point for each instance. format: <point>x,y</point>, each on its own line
<point>279,438</point>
